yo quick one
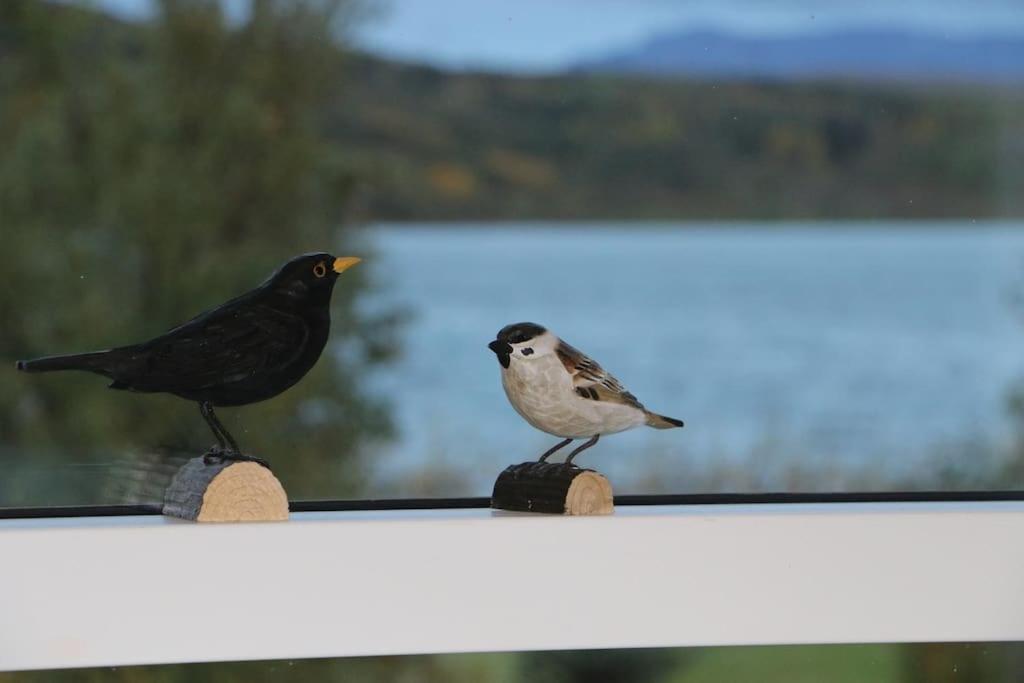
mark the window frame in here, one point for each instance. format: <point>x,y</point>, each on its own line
<point>112,587</point>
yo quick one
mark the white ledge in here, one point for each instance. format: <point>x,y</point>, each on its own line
<point>82,592</point>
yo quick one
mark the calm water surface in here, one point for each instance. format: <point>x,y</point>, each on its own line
<point>852,344</point>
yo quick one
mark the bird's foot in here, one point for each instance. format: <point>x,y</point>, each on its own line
<point>213,456</point>
<point>218,454</point>
<point>242,457</point>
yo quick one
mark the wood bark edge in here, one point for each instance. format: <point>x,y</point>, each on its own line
<point>217,490</point>
<point>552,488</point>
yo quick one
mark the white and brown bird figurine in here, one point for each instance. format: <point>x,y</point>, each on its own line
<point>559,390</point>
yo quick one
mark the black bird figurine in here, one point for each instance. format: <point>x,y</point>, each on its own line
<point>246,350</point>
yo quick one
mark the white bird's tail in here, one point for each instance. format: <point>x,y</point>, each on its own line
<point>661,421</point>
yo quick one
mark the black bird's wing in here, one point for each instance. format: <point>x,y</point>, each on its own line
<point>223,346</point>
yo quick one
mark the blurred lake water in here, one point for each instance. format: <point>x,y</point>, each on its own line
<point>863,345</point>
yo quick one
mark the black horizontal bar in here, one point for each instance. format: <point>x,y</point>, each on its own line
<point>388,504</point>
<point>826,497</point>
<point>80,511</point>
<point>482,502</point>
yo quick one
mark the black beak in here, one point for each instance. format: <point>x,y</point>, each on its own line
<point>502,350</point>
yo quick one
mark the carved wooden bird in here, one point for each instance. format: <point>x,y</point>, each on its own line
<point>559,390</point>
<point>246,350</point>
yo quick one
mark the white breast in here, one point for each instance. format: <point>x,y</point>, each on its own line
<point>542,392</point>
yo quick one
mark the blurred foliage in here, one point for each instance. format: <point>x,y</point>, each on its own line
<point>910,663</point>
<point>607,666</point>
<point>150,172</point>
<point>440,145</point>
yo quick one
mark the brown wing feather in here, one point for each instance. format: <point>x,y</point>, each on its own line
<point>591,380</point>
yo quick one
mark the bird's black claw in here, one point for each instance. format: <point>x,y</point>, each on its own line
<point>213,456</point>
<point>258,461</point>
<point>218,454</point>
<point>242,457</point>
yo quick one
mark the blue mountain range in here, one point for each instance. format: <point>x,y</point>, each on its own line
<point>861,54</point>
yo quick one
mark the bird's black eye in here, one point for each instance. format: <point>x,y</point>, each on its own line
<point>527,351</point>
<point>320,269</point>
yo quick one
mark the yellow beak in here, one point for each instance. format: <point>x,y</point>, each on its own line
<point>343,263</point>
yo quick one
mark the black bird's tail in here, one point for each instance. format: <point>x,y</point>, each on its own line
<point>92,362</point>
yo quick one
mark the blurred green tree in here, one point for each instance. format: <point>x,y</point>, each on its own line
<point>150,172</point>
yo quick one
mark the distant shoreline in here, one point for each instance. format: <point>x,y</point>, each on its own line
<point>688,224</point>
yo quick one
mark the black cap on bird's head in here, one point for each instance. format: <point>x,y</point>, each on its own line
<point>516,333</point>
<point>310,273</point>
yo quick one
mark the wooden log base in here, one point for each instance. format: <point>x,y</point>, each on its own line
<point>217,490</point>
<point>553,488</point>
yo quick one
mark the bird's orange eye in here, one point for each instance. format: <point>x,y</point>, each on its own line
<point>320,270</point>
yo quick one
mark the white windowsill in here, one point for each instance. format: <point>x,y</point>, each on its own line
<point>81,592</point>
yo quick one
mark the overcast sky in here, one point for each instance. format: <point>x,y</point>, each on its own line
<point>546,35</point>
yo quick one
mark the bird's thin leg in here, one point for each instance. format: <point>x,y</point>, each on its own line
<point>228,447</point>
<point>554,448</point>
<point>593,440</point>
<point>207,412</point>
<point>223,432</point>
